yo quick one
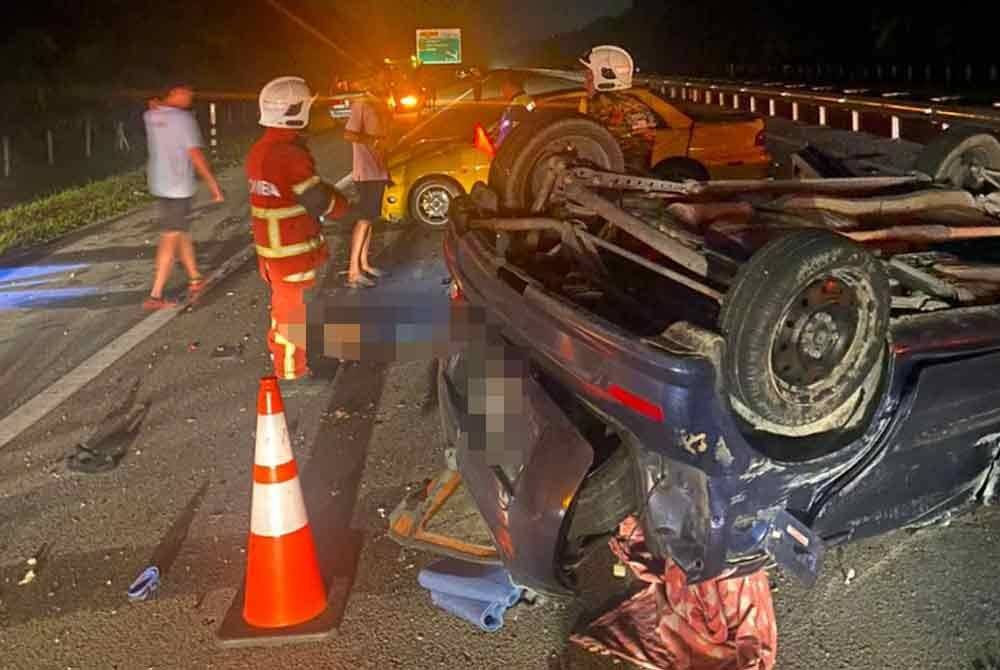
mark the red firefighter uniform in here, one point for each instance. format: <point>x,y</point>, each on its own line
<point>288,200</point>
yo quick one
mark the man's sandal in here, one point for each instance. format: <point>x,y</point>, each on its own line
<point>153,304</point>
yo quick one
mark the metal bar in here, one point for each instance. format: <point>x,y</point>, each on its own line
<point>6,156</point>
<point>48,145</point>
<point>636,227</point>
<point>87,136</point>
<point>650,265</point>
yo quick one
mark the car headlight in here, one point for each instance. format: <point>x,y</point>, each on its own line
<point>408,101</point>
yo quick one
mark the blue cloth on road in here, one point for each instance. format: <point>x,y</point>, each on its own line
<point>480,594</point>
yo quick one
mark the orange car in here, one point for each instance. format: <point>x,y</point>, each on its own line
<point>696,141</point>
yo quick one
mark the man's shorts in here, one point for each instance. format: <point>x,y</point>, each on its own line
<point>173,214</point>
<point>370,200</point>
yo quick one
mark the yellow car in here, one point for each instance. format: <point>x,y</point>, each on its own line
<point>427,178</point>
<point>691,142</point>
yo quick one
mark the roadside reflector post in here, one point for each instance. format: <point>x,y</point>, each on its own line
<point>895,127</point>
<point>708,97</point>
<point>6,156</point>
<point>48,144</point>
<point>855,120</point>
<point>753,104</point>
<point>822,116</point>
<point>212,122</point>
<point>736,101</point>
<point>795,111</point>
<point>673,91</point>
<point>771,107</point>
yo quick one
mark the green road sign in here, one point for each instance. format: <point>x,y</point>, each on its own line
<point>439,47</point>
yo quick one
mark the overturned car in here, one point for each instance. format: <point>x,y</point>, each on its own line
<point>758,369</point>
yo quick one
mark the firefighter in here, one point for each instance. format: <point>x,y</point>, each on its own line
<point>289,202</point>
<point>609,71</point>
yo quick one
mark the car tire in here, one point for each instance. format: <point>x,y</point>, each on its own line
<point>681,169</point>
<point>948,158</point>
<point>606,496</point>
<point>805,325</point>
<point>514,174</point>
<point>429,201</point>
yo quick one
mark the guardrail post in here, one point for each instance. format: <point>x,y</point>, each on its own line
<point>855,120</point>
<point>708,97</point>
<point>736,101</point>
<point>753,104</point>
<point>822,116</point>
<point>795,111</point>
<point>6,156</point>
<point>770,106</point>
<point>48,145</point>
<point>895,127</point>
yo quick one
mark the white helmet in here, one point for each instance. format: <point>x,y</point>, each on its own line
<point>611,66</point>
<point>285,103</point>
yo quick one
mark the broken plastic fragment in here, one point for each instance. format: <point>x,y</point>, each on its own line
<point>29,577</point>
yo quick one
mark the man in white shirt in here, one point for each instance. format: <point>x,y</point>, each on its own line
<point>368,131</point>
<point>175,154</point>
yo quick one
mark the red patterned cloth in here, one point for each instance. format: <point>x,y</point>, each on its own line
<point>723,624</point>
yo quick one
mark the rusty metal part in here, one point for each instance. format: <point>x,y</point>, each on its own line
<point>528,224</point>
<point>919,280</point>
<point>602,179</point>
<point>697,215</point>
<point>650,265</point>
<point>892,206</point>
<point>672,249</point>
<point>986,273</point>
<point>924,233</point>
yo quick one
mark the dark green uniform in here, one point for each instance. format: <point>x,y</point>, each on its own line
<point>630,120</point>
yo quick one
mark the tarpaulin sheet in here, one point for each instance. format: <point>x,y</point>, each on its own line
<point>723,624</point>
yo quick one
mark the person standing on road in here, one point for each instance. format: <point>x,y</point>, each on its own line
<point>368,132</point>
<point>175,154</point>
<point>289,202</point>
<point>609,71</point>
<point>520,104</point>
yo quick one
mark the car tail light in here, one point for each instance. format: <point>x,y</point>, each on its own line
<point>482,141</point>
<point>636,403</point>
<point>761,139</point>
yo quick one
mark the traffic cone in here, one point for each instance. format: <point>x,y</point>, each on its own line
<point>284,586</point>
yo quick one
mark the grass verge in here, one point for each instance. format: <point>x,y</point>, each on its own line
<point>48,218</point>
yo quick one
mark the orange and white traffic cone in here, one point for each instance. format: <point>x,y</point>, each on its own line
<point>284,586</point>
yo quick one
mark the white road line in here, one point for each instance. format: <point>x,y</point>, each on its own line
<point>34,410</point>
<point>28,414</point>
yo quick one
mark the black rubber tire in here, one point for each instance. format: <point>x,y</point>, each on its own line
<point>767,305</point>
<point>425,219</point>
<point>512,173</point>
<point>681,168</point>
<point>946,159</point>
<point>606,497</point>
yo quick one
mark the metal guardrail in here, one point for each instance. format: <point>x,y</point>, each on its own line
<point>814,104</point>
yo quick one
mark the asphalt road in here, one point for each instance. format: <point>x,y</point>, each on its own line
<point>925,599</point>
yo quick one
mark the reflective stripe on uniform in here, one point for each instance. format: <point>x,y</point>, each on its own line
<point>303,186</point>
<point>279,213</point>
<point>291,249</point>
<point>300,276</point>
<point>289,347</point>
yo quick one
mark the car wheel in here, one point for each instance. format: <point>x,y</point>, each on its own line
<point>681,169</point>
<point>805,325</point>
<point>606,497</point>
<point>430,200</point>
<point>953,158</point>
<point>519,166</point>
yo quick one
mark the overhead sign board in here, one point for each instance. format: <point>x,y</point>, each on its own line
<point>439,47</point>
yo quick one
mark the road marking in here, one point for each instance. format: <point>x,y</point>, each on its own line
<point>31,412</point>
